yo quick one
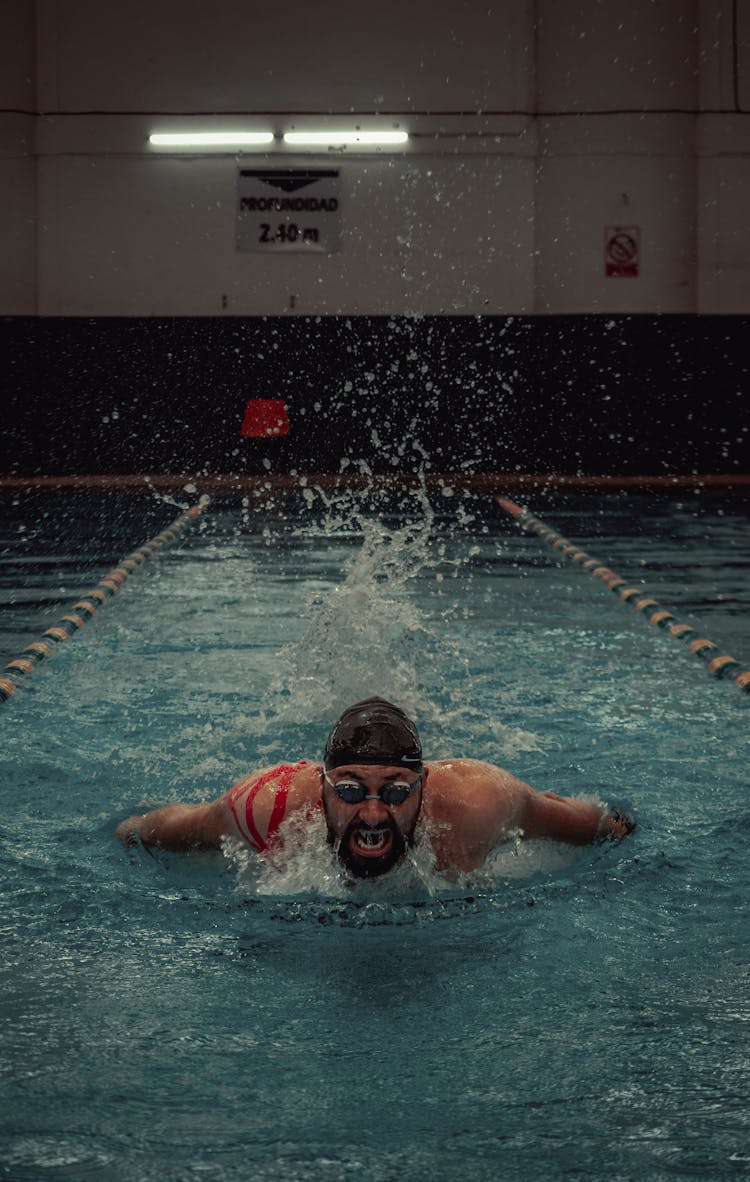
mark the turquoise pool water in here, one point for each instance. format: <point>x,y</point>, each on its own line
<point>560,1016</point>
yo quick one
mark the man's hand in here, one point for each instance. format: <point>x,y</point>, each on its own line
<point>128,831</point>
<point>565,818</point>
<point>615,825</point>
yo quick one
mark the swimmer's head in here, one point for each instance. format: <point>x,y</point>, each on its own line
<point>374,732</point>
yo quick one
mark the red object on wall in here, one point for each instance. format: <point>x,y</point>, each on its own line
<point>265,418</point>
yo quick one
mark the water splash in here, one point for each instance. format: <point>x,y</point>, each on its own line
<point>306,865</point>
<point>366,635</point>
<point>383,628</point>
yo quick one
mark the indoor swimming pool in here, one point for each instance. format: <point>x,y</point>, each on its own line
<point>561,1014</point>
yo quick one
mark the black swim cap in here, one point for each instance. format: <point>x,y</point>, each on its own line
<point>374,731</point>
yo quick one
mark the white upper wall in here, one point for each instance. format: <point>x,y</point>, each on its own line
<point>742,50</point>
<point>18,220</point>
<point>598,55</point>
<point>202,55</point>
<point>17,56</point>
<point>537,127</point>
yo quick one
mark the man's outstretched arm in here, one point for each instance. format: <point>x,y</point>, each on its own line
<point>179,826</point>
<point>564,819</point>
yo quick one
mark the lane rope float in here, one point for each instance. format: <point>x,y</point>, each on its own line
<point>717,663</point>
<point>19,669</point>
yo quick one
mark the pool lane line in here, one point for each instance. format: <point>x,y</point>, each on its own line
<point>17,670</point>
<point>717,663</point>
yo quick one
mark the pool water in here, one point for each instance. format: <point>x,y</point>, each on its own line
<point>560,1015</point>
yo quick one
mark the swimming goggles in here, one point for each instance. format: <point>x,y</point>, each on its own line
<point>353,792</point>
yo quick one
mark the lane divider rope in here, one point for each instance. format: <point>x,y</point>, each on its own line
<point>17,670</point>
<point>717,663</point>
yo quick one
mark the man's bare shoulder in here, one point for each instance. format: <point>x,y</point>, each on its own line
<point>473,806</point>
<point>302,786</point>
<point>305,787</point>
<point>301,774</point>
<point>447,775</point>
<point>474,789</point>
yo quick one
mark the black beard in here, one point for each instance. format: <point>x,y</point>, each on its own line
<point>371,867</point>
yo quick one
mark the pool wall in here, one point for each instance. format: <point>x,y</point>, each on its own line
<point>635,394</point>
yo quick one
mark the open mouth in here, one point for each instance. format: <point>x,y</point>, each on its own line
<point>370,843</point>
<point>367,851</point>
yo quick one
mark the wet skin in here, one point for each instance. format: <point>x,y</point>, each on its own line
<point>371,837</point>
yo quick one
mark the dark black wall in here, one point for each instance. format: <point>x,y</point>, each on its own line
<point>565,394</point>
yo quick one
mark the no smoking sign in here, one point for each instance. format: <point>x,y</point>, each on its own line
<point>622,252</point>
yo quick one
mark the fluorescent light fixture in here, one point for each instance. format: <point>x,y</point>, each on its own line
<point>340,139</point>
<point>210,139</point>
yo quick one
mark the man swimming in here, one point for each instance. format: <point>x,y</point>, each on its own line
<point>376,797</point>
